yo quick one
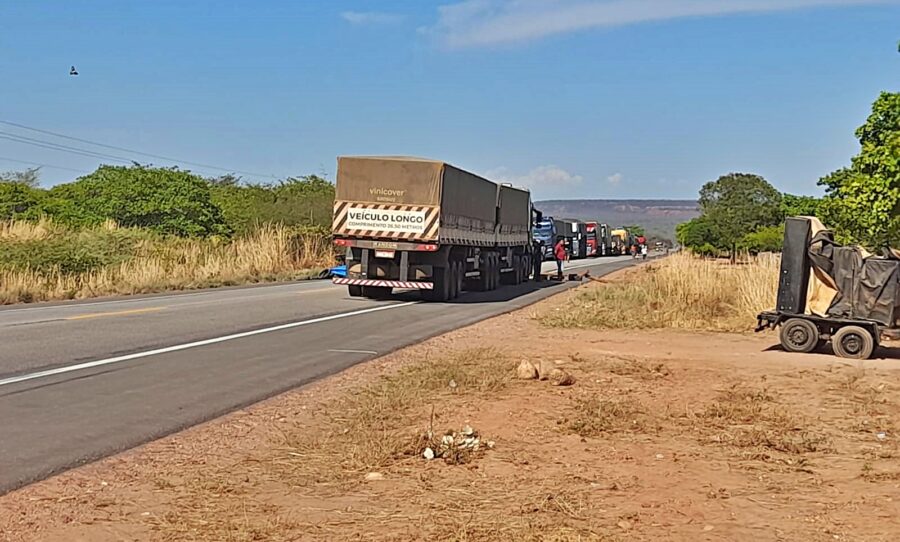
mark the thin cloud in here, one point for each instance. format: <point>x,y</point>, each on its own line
<point>370,17</point>
<point>474,23</point>
<point>540,177</point>
<point>615,178</point>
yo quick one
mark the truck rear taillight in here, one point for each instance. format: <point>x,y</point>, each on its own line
<point>343,242</point>
<point>426,248</point>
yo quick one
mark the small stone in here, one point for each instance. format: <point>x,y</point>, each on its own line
<point>708,528</point>
<point>558,377</point>
<point>374,476</point>
<point>447,440</point>
<point>145,514</point>
<point>545,368</point>
<point>659,456</point>
<point>624,525</point>
<point>526,370</point>
<point>468,431</point>
<point>881,436</point>
<point>428,454</point>
<point>490,444</point>
<point>452,384</point>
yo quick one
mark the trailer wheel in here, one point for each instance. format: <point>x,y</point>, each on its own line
<point>376,292</point>
<point>441,291</point>
<point>853,342</point>
<point>460,277</point>
<point>517,270</point>
<point>453,280</point>
<point>495,271</point>
<point>799,335</point>
<point>355,291</point>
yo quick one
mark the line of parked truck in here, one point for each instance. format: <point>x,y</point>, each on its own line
<point>416,224</point>
<point>584,239</point>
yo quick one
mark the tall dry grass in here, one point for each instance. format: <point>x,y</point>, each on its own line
<point>155,263</point>
<point>682,291</point>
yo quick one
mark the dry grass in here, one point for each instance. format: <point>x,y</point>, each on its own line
<point>154,263</point>
<point>682,291</point>
<point>385,421</point>
<point>592,417</point>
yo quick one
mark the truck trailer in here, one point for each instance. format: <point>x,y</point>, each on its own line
<point>419,224</point>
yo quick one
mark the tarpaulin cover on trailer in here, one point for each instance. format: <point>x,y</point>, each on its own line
<point>867,287</point>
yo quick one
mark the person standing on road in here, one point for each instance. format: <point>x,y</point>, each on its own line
<point>538,255</point>
<point>560,254</point>
<point>644,252</point>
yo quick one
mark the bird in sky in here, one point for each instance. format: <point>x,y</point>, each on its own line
<point>73,71</point>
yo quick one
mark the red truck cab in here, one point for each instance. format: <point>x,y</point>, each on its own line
<point>592,245</point>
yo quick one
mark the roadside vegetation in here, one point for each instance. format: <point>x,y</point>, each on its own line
<point>742,212</point>
<point>128,230</point>
<point>684,291</point>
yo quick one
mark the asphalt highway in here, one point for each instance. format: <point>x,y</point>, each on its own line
<point>83,380</point>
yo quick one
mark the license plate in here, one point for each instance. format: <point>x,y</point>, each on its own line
<point>384,253</point>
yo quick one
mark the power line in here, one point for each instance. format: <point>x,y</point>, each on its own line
<point>7,159</point>
<point>62,148</point>
<point>123,149</point>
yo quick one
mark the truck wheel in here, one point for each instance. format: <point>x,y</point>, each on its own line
<point>853,342</point>
<point>441,290</point>
<point>460,277</point>
<point>484,273</point>
<point>516,270</point>
<point>453,281</point>
<point>355,291</point>
<point>495,271</point>
<point>377,292</point>
<point>799,335</point>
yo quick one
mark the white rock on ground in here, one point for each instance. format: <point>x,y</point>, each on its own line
<point>526,370</point>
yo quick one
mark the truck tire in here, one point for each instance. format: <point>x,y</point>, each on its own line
<point>799,335</point>
<point>494,272</point>
<point>460,277</point>
<point>483,283</point>
<point>376,292</point>
<point>516,273</point>
<point>853,342</point>
<point>452,281</point>
<point>441,291</point>
<point>355,291</point>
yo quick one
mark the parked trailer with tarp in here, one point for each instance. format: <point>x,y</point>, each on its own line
<point>832,293</point>
<point>413,223</point>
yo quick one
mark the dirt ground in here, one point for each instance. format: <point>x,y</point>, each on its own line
<point>664,436</point>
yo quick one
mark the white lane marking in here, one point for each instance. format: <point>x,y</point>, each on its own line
<point>354,351</point>
<point>211,291</point>
<point>185,346</point>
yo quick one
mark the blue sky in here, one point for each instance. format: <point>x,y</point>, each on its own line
<point>573,98</point>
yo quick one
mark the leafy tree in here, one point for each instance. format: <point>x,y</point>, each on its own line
<point>800,205</point>
<point>694,233</point>
<point>765,239</point>
<point>29,177</point>
<point>737,204</point>
<point>296,201</point>
<point>165,200</point>
<point>19,200</point>
<point>863,201</point>
<point>636,230</point>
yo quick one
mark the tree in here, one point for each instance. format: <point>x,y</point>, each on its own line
<point>637,231</point>
<point>737,204</point>
<point>800,205</point>
<point>19,200</point>
<point>862,201</point>
<point>166,200</point>
<point>29,177</point>
<point>694,233</point>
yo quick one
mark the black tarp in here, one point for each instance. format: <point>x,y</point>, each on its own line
<point>868,288</point>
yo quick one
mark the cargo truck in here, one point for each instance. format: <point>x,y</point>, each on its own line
<point>598,239</point>
<point>621,241</point>
<point>419,224</point>
<point>545,234</point>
